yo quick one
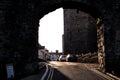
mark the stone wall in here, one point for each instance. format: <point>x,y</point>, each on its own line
<point>19,21</point>
<point>80,32</point>
<point>18,36</point>
<point>101,47</point>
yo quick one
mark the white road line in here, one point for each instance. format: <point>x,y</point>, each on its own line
<point>43,77</point>
<point>52,74</point>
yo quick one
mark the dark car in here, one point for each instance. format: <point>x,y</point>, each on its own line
<point>71,58</point>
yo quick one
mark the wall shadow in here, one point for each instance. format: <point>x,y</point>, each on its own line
<point>59,76</point>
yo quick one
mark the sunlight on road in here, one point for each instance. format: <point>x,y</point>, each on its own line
<point>57,63</point>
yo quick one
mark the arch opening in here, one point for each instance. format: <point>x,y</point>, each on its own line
<point>93,21</point>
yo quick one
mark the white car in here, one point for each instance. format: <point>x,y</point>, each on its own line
<point>62,58</point>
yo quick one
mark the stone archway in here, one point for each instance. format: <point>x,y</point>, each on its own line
<point>20,21</point>
<point>96,9</point>
<point>35,15</point>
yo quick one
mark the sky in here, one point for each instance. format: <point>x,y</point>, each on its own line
<point>51,30</point>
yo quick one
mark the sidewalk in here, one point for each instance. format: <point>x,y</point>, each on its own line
<point>42,69</point>
<point>94,68</point>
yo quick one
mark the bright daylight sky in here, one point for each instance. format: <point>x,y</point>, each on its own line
<point>51,30</point>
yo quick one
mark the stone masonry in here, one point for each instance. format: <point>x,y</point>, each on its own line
<point>80,32</point>
<point>19,21</point>
<point>101,47</point>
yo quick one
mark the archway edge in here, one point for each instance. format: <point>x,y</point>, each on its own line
<point>87,7</point>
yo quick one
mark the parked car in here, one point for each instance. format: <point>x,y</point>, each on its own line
<point>71,58</point>
<point>62,58</point>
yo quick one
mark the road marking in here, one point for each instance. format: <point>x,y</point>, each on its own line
<point>49,73</point>
<point>43,77</point>
<point>52,74</point>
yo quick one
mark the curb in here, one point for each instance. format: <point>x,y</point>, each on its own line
<point>102,74</point>
<point>113,76</point>
<point>108,76</point>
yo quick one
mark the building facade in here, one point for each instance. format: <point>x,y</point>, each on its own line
<point>79,32</point>
<point>43,54</point>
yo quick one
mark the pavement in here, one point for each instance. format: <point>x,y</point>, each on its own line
<point>42,70</point>
<point>94,68</point>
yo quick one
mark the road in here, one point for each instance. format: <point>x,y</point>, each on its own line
<point>69,71</point>
<point>73,71</point>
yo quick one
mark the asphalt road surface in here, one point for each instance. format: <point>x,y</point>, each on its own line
<point>56,70</point>
<point>72,71</point>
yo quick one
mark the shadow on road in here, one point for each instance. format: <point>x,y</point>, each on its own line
<point>59,75</point>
